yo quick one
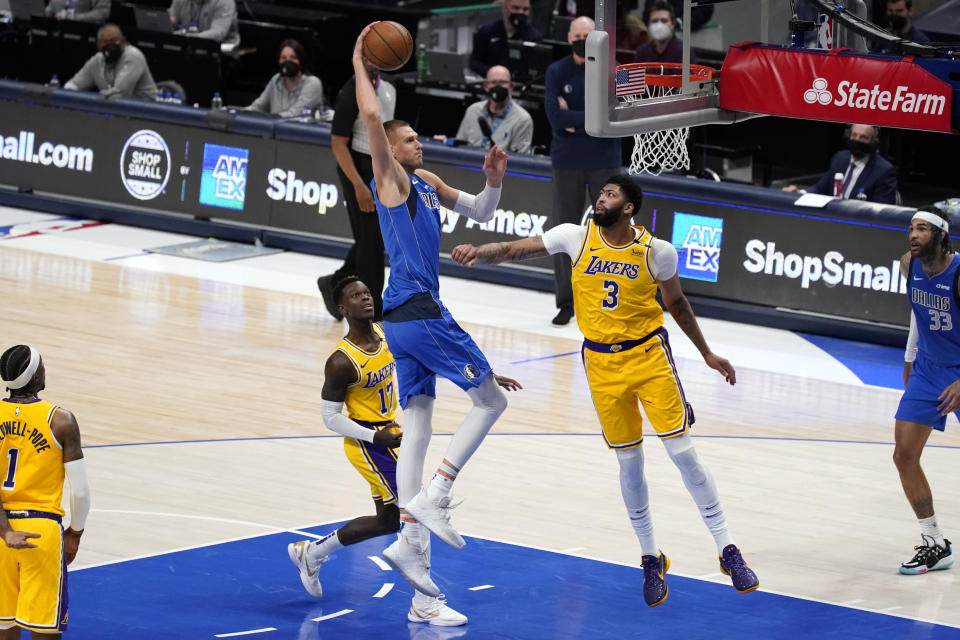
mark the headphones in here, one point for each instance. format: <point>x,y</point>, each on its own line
<point>874,141</point>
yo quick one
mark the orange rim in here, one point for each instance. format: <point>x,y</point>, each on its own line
<point>670,74</point>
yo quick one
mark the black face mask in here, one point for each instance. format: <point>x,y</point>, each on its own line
<point>518,20</point>
<point>289,68</point>
<point>498,93</point>
<point>579,47</point>
<point>112,52</point>
<point>897,22</point>
<point>860,149</point>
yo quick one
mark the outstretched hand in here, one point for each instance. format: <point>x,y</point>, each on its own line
<point>19,539</point>
<point>494,165</point>
<point>465,254</point>
<point>508,383</point>
<point>722,365</point>
<point>358,47</point>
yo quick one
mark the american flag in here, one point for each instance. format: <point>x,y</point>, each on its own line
<point>631,81</point>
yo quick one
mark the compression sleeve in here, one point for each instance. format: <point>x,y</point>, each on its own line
<point>336,421</point>
<point>76,471</point>
<point>480,207</point>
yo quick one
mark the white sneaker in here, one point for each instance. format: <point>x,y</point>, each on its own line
<point>411,563</point>
<point>436,517</point>
<point>434,611</point>
<point>299,556</point>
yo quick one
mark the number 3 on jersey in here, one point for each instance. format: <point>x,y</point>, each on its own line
<point>940,320</point>
<point>613,290</point>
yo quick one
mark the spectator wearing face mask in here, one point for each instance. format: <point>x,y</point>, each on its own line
<point>95,11</point>
<point>211,19</point>
<point>900,17</point>
<point>293,87</point>
<point>866,174</point>
<point>663,45</point>
<point>508,125</point>
<point>117,69</point>
<point>490,40</point>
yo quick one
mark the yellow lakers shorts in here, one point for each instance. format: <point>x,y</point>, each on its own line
<point>33,582</point>
<point>377,465</point>
<point>625,375</point>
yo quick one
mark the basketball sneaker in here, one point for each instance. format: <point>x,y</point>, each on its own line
<point>435,611</point>
<point>308,568</point>
<point>435,515</point>
<point>929,557</point>
<point>325,284</point>
<point>654,586</point>
<point>411,563</point>
<point>732,564</point>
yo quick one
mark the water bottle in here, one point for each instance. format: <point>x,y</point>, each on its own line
<point>838,185</point>
<point>193,27</point>
<point>217,102</point>
<point>306,115</point>
<point>421,63</point>
<point>54,82</point>
<point>68,11</point>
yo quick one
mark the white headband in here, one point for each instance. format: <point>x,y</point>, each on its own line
<point>933,219</point>
<point>27,374</point>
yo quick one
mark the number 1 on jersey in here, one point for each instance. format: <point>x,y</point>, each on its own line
<point>11,468</point>
<point>386,398</point>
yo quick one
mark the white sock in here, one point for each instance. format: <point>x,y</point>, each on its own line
<point>442,480</point>
<point>488,403</point>
<point>418,427</point>
<point>702,487</point>
<point>633,487</point>
<point>930,528</point>
<point>325,546</point>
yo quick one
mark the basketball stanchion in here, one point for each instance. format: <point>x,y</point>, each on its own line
<point>664,150</point>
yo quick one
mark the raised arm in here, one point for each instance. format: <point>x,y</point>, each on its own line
<point>387,172</point>
<point>482,206</point>
<point>496,252</point>
<point>339,373</point>
<point>67,432</point>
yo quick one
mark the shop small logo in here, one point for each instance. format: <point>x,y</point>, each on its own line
<point>145,164</point>
<point>224,179</point>
<point>818,93</point>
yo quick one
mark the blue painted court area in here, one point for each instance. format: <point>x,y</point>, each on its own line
<point>249,585</point>
<point>875,364</point>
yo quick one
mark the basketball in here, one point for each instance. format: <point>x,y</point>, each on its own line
<point>388,45</point>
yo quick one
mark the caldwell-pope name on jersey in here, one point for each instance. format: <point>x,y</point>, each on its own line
<point>17,428</point>
<point>376,377</point>
<point>612,267</point>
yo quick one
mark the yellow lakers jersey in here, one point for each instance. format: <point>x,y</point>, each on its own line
<point>614,291</point>
<point>373,398</point>
<point>31,459</point>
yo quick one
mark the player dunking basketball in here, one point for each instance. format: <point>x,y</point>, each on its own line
<point>931,375</point>
<point>617,269</point>
<point>424,338</point>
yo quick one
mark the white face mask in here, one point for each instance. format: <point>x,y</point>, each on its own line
<point>660,31</point>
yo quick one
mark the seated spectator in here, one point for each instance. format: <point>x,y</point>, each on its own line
<point>510,124</point>
<point>663,46</point>
<point>118,69</point>
<point>95,11</point>
<point>211,19</point>
<point>899,15</point>
<point>866,174</point>
<point>631,31</point>
<point>490,40</point>
<point>293,87</point>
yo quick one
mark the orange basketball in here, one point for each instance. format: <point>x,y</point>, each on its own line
<point>388,45</point>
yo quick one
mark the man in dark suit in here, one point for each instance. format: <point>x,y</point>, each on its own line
<point>490,40</point>
<point>866,174</point>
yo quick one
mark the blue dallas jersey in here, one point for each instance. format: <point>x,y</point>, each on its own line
<point>934,302</point>
<point>411,235</point>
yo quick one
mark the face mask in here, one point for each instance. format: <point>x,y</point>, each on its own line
<point>112,52</point>
<point>660,31</point>
<point>579,47</point>
<point>518,21</point>
<point>498,93</point>
<point>898,22</point>
<point>859,149</point>
<point>289,68</point>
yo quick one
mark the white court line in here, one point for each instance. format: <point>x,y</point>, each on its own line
<point>384,590</point>
<point>850,602</point>
<point>243,633</point>
<point>889,609</point>
<point>342,612</point>
<point>709,576</point>
<point>572,549</point>
<point>377,560</point>
<point>481,587</point>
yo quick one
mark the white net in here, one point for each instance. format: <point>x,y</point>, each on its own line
<point>658,151</point>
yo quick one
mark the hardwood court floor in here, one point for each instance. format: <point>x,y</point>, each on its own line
<point>229,375</point>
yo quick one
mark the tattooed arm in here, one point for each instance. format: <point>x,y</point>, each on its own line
<point>526,249</point>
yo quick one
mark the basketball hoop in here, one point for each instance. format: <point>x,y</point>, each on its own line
<point>665,150</point>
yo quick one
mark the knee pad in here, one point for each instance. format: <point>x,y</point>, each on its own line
<point>489,396</point>
<point>686,458</point>
<point>631,467</point>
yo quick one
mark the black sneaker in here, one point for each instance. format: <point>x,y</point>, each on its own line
<point>325,284</point>
<point>563,316</point>
<point>654,586</point>
<point>732,564</point>
<point>929,557</point>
